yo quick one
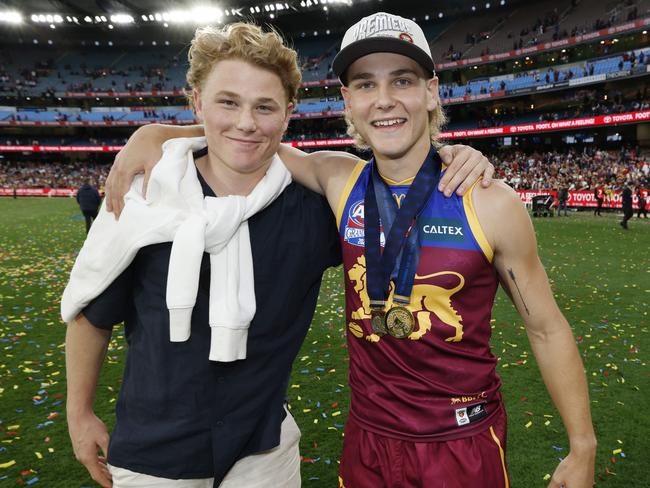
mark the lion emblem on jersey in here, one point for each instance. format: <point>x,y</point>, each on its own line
<point>426,299</point>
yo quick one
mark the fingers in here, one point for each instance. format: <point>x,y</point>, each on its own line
<point>472,177</point>
<point>446,154</point>
<point>488,175</point>
<point>99,473</point>
<point>468,162</point>
<point>97,468</point>
<point>102,442</point>
<point>456,157</point>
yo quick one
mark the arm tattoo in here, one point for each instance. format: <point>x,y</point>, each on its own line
<point>514,280</point>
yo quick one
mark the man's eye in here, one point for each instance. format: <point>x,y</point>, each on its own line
<point>226,102</point>
<point>403,82</point>
<point>265,108</point>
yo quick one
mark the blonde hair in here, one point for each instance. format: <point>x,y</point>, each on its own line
<point>437,120</point>
<point>246,42</point>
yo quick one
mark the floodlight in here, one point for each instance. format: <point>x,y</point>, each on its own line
<point>123,19</point>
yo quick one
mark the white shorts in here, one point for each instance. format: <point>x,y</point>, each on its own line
<point>278,467</point>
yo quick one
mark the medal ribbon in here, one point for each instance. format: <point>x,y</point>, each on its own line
<point>397,222</point>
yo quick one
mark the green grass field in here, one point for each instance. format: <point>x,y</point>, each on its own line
<point>601,278</point>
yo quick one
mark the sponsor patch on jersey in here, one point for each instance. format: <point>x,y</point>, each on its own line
<point>442,230</point>
<point>354,226</point>
<point>471,413</point>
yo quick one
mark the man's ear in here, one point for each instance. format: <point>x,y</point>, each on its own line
<point>198,104</point>
<point>287,119</point>
<point>433,97</point>
<point>345,91</point>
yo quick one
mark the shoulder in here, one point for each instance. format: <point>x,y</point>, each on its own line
<point>499,196</point>
<point>500,212</point>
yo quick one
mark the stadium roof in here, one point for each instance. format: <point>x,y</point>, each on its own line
<point>174,20</point>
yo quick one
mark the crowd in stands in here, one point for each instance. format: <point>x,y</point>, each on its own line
<point>35,174</point>
<point>574,170</point>
<point>554,25</point>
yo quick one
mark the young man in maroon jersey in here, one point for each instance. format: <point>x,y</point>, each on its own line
<point>426,407</point>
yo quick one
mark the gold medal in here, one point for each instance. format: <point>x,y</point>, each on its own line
<point>378,321</point>
<point>400,322</point>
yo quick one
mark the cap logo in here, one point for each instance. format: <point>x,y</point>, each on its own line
<point>405,37</point>
<point>380,25</point>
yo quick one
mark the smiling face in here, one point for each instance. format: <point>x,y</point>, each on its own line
<point>245,111</point>
<point>388,99</point>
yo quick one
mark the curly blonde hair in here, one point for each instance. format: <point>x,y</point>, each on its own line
<point>437,120</point>
<point>247,42</point>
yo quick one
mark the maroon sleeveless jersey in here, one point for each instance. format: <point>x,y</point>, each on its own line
<point>440,382</point>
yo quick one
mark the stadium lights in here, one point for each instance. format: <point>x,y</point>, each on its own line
<point>197,15</point>
<point>122,19</point>
<point>11,17</point>
<point>47,18</point>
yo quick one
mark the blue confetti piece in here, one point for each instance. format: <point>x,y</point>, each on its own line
<point>32,481</point>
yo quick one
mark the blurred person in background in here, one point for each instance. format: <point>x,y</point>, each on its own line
<point>89,201</point>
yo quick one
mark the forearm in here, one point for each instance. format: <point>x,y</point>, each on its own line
<point>85,349</point>
<point>163,132</point>
<point>563,373</point>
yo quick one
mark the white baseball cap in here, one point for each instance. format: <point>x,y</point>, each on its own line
<point>383,33</point>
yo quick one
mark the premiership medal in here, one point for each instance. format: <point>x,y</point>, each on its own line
<point>401,253</point>
<point>400,322</point>
<point>378,321</point>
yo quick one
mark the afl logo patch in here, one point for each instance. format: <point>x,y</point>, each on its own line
<point>356,214</point>
<point>354,232</point>
<point>405,37</point>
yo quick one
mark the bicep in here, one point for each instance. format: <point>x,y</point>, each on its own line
<point>319,171</point>
<point>522,273</point>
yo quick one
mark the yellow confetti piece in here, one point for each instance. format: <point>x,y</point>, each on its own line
<point>336,414</point>
<point>547,477</point>
<point>8,464</point>
<point>13,427</point>
<point>306,410</point>
<point>530,422</point>
<point>617,451</point>
<point>295,386</point>
<point>50,449</point>
<point>38,455</point>
<point>547,423</point>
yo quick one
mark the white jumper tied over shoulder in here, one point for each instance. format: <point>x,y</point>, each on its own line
<point>176,210</point>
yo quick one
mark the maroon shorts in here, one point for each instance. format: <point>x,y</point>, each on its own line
<point>371,460</point>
